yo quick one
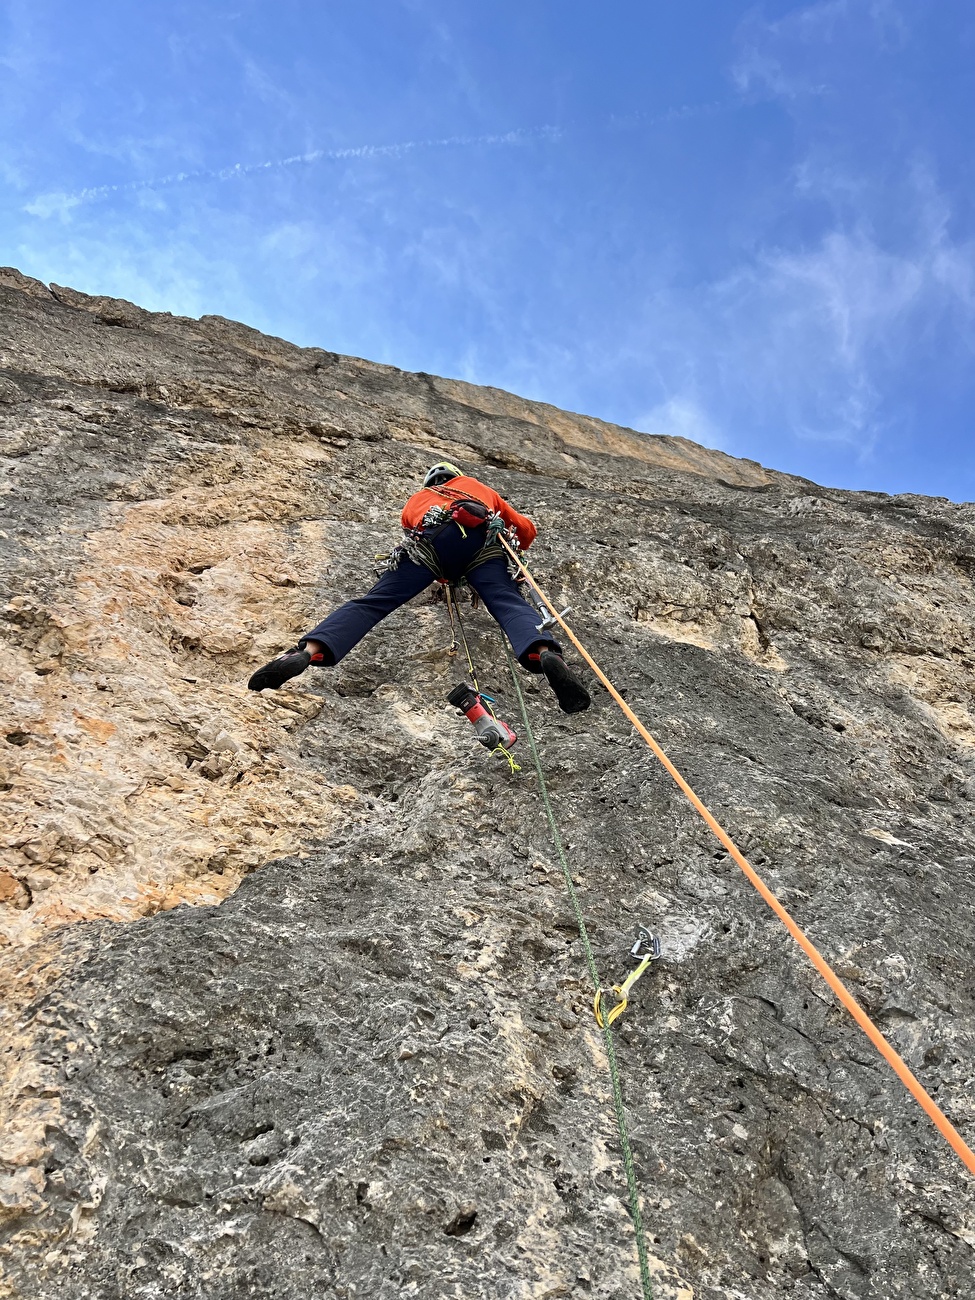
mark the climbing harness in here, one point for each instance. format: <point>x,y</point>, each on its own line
<point>838,988</point>
<point>644,951</point>
<point>605,1023</point>
<point>417,544</point>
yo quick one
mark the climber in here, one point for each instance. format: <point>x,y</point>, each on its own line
<point>447,536</point>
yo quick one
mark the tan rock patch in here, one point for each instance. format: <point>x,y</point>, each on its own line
<point>142,773</point>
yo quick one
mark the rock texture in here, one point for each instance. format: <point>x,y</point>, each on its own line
<point>294,1002</point>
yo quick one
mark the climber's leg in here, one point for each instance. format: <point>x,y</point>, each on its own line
<point>499,591</point>
<point>505,603</point>
<point>345,627</point>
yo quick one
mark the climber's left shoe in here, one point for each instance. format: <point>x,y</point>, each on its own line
<point>280,670</point>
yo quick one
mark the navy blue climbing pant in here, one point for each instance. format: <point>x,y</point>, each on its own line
<point>346,626</point>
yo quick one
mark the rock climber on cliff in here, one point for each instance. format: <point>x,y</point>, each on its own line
<point>447,535</point>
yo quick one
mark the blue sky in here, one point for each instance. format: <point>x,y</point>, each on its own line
<point>750,224</point>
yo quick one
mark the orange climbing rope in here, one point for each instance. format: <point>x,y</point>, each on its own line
<point>842,993</point>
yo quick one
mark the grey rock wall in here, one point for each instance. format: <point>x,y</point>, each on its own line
<point>295,1002</point>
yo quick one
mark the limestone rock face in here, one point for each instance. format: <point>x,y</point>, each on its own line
<point>294,1002</point>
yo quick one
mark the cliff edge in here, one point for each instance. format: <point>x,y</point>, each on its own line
<point>294,1004</point>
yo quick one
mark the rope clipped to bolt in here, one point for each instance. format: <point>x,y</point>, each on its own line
<point>605,1022</point>
<point>838,988</point>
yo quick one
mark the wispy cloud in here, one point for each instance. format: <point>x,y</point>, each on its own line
<point>794,55</point>
<point>812,342</point>
<point>58,203</point>
<point>766,60</point>
<point>826,326</point>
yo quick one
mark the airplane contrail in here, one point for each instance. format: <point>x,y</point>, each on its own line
<point>45,205</point>
<point>52,203</point>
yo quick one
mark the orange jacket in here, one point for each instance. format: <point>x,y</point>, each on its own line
<point>465,486</point>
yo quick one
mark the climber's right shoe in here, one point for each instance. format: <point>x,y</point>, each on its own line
<point>569,691</point>
<point>280,670</point>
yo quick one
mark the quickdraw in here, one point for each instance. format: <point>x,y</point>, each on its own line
<point>644,951</point>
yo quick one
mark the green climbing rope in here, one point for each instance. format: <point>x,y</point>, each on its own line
<point>614,1074</point>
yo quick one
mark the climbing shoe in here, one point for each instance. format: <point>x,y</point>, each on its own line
<point>286,666</point>
<point>569,691</point>
<point>280,670</point>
